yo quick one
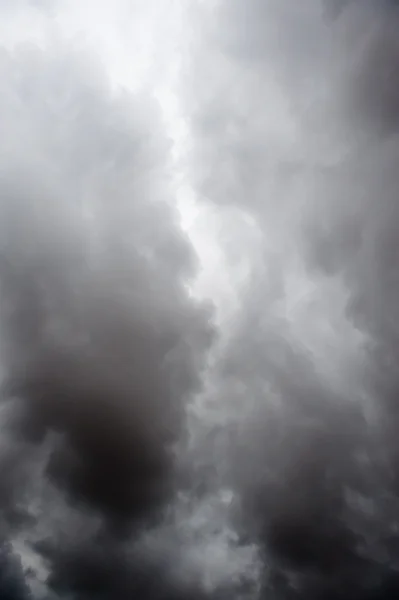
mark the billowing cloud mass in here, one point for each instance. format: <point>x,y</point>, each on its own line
<point>101,344</point>
<point>295,123</point>
<point>171,432</point>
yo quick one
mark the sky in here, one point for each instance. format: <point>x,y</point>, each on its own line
<point>198,299</point>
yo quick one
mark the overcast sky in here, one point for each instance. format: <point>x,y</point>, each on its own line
<point>198,299</point>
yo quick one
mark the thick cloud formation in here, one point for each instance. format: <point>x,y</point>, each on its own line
<point>141,454</point>
<point>293,110</point>
<point>12,583</point>
<point>101,344</point>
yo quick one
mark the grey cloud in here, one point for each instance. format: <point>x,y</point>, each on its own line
<point>102,346</point>
<point>294,120</point>
<point>280,480</point>
<point>12,581</point>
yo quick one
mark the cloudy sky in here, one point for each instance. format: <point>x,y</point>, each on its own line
<point>199,288</point>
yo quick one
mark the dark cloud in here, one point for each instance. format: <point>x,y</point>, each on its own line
<point>294,120</point>
<point>281,479</point>
<point>12,578</point>
<point>102,346</point>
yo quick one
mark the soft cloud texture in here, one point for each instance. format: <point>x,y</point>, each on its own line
<point>162,446</point>
<point>102,344</point>
<point>293,114</point>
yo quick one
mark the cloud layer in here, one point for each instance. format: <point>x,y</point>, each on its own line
<point>295,123</point>
<point>148,448</point>
<point>102,345</point>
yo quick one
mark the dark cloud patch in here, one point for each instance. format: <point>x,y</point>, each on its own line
<point>298,126</point>
<point>102,347</point>
<point>102,569</point>
<point>13,580</point>
<point>290,451</point>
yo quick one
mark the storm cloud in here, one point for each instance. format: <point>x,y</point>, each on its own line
<point>102,345</point>
<point>160,445</point>
<point>293,111</point>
